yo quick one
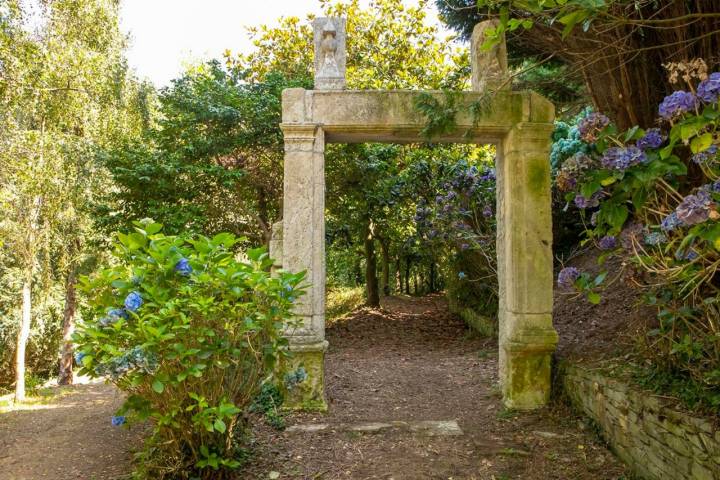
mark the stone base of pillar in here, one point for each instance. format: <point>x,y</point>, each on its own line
<point>308,394</point>
<point>525,369</point>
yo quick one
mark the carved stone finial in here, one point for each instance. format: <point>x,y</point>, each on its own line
<point>489,67</point>
<point>330,53</point>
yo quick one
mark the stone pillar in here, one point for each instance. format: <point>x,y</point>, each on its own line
<point>303,249</point>
<point>489,67</point>
<point>525,265</point>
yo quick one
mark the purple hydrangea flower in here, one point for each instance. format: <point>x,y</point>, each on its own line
<point>582,203</point>
<point>655,238</point>
<point>183,267</point>
<point>652,139</point>
<point>670,223</point>
<point>694,209</point>
<point>709,90</point>
<point>607,242</point>
<point>117,420</point>
<point>487,211</point>
<point>133,301</point>
<point>706,155</point>
<point>590,126</point>
<point>677,103</point>
<point>567,278</point>
<point>618,158</point>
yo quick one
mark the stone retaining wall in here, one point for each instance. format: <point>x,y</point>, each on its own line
<point>656,440</point>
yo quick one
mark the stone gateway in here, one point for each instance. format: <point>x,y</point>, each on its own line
<point>518,123</point>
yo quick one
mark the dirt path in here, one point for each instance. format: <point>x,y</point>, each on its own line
<point>69,437</point>
<point>413,361</point>
<point>410,362</point>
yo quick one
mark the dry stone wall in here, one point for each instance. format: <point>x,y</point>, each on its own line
<point>658,441</point>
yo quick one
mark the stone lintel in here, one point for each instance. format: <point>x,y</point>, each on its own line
<point>357,116</point>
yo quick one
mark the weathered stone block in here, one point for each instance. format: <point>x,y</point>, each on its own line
<point>330,53</point>
<point>310,393</point>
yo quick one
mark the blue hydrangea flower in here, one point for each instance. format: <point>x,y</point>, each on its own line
<point>688,255</point>
<point>709,90</point>
<point>119,313</point>
<point>567,278</point>
<point>133,301</point>
<point>183,267</point>
<point>292,379</point>
<point>706,156</point>
<point>677,103</point>
<point>652,139</point>
<point>607,242</point>
<point>655,239</point>
<point>582,203</point>
<point>117,420</point>
<point>670,223</point>
<point>461,275</point>
<point>79,357</point>
<point>113,315</point>
<point>619,158</point>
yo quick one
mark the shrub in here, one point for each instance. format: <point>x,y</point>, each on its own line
<point>653,195</point>
<point>190,333</point>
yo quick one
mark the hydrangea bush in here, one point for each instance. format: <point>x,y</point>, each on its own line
<point>190,333</point>
<point>653,195</point>
<point>460,220</point>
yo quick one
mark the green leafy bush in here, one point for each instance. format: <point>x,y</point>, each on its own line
<point>190,333</point>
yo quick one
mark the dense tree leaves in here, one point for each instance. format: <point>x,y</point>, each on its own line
<point>213,160</point>
<point>617,49</point>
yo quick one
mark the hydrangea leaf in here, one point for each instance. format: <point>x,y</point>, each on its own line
<point>701,143</point>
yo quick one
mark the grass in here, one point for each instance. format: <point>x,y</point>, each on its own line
<point>36,397</point>
<point>342,300</point>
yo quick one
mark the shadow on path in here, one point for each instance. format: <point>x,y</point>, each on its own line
<point>413,361</point>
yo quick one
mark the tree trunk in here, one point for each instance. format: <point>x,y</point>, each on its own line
<point>398,282</point>
<point>22,339</point>
<point>371,280</point>
<point>385,267</point>
<point>65,376</point>
<point>407,276</point>
<point>432,277</point>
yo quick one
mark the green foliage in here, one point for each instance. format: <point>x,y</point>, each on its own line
<point>391,46</point>
<point>216,149</point>
<point>269,403</point>
<point>66,95</point>
<point>343,300</point>
<point>654,196</point>
<point>198,333</point>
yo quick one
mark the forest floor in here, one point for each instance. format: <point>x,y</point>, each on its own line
<point>66,434</point>
<point>386,370</point>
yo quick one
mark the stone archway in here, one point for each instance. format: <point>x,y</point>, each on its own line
<point>518,123</point>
